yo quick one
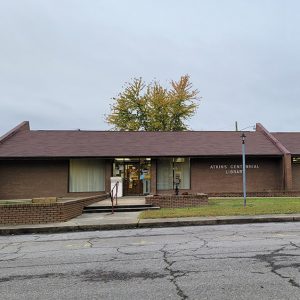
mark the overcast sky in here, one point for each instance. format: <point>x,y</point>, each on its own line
<point>62,61</point>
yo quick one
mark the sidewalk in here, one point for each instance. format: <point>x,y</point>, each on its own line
<point>130,220</point>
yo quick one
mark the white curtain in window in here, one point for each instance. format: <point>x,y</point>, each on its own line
<point>87,175</point>
<point>165,174</point>
<point>182,168</point>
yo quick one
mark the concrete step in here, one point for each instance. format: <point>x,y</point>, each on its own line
<point>119,208</point>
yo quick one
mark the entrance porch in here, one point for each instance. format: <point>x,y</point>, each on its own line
<point>126,200</point>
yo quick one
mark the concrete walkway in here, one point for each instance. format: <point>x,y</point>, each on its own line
<point>126,200</point>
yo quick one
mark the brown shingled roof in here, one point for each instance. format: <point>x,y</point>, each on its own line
<point>291,140</point>
<point>48,143</point>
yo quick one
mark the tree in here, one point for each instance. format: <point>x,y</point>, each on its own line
<point>151,107</point>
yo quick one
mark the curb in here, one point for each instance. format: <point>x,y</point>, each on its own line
<point>150,223</point>
<point>64,229</point>
<point>216,221</point>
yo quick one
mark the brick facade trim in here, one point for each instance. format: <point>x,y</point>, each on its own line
<point>177,201</point>
<point>16,214</point>
<point>257,194</point>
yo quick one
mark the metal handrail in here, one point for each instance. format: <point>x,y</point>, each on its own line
<point>112,196</point>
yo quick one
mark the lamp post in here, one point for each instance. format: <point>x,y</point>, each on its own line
<point>244,167</point>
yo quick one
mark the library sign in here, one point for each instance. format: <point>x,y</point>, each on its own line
<point>233,169</point>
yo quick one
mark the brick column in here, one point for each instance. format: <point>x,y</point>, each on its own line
<point>108,174</point>
<point>287,167</point>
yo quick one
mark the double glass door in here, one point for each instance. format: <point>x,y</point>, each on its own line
<point>135,175</point>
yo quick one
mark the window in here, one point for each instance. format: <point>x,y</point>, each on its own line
<point>87,175</point>
<point>165,174</point>
<point>169,169</point>
<point>296,160</point>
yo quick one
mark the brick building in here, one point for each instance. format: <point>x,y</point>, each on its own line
<point>40,163</point>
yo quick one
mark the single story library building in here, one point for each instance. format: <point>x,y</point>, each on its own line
<point>63,163</point>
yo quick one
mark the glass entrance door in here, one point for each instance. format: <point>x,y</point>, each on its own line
<point>133,184</point>
<point>135,173</point>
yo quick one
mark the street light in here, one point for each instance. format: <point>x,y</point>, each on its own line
<point>244,167</point>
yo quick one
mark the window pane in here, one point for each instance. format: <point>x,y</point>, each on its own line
<point>165,174</point>
<point>87,175</point>
<point>182,170</point>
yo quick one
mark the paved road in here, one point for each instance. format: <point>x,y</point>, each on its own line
<point>258,261</point>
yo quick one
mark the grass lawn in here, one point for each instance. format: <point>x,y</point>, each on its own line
<point>12,202</point>
<point>230,207</point>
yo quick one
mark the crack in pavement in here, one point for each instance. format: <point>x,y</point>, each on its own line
<point>30,277</point>
<point>275,268</point>
<point>7,256</point>
<point>125,253</point>
<point>205,243</point>
<point>174,274</point>
<point>194,249</point>
<point>117,259</point>
<point>107,276</point>
<point>5,246</point>
<point>89,243</point>
<point>294,245</point>
<point>12,259</point>
<point>89,275</point>
<point>136,235</point>
<point>203,256</point>
<point>18,245</point>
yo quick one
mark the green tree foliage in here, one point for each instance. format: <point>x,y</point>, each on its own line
<point>151,107</point>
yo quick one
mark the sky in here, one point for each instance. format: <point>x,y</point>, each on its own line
<point>62,61</point>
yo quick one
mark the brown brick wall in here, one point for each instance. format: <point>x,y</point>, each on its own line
<point>268,177</point>
<point>204,179</point>
<point>288,175</point>
<point>33,178</point>
<point>44,213</point>
<point>173,201</point>
<point>21,179</point>
<point>295,193</point>
<point>296,176</point>
<point>46,178</point>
